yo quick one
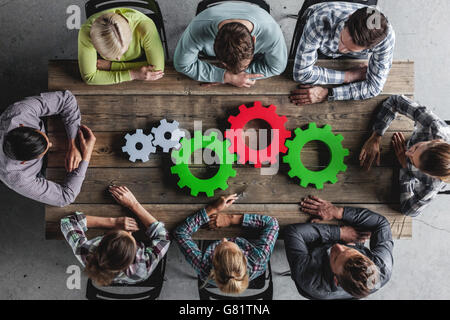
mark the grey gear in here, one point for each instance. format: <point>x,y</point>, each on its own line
<point>167,127</point>
<point>147,146</point>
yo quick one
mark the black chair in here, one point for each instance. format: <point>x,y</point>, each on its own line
<point>301,21</point>
<point>152,285</point>
<point>205,4</point>
<point>260,288</point>
<point>149,7</point>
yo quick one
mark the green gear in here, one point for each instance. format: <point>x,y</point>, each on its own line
<point>334,143</point>
<point>182,158</point>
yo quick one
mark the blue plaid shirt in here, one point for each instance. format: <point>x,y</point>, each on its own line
<point>417,189</point>
<point>322,31</point>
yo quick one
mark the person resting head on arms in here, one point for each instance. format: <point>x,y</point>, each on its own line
<point>424,157</point>
<point>231,262</point>
<point>117,257</point>
<point>119,36</point>
<point>247,42</point>
<point>331,261</point>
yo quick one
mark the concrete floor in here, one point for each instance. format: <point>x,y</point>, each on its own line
<point>32,268</point>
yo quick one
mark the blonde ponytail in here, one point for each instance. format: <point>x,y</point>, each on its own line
<point>111,35</point>
<point>229,270</point>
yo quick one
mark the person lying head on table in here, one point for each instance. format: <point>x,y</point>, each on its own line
<point>336,29</point>
<point>331,261</point>
<point>424,158</point>
<point>25,143</point>
<point>245,39</point>
<point>117,257</point>
<point>119,36</point>
<point>229,263</point>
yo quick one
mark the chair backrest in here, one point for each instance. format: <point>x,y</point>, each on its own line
<point>205,4</point>
<point>149,7</point>
<point>298,31</point>
<point>152,285</point>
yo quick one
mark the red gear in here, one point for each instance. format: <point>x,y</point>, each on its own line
<point>257,157</point>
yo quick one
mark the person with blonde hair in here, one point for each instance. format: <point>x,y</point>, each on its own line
<point>117,257</point>
<point>228,263</point>
<point>424,158</point>
<point>110,41</point>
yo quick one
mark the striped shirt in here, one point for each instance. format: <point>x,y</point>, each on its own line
<point>417,189</point>
<point>147,258</point>
<point>26,178</point>
<point>325,22</point>
<point>257,252</point>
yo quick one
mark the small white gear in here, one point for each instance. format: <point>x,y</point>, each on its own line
<point>175,135</point>
<point>146,142</point>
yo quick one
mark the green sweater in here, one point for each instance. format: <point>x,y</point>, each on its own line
<point>201,33</point>
<point>145,39</point>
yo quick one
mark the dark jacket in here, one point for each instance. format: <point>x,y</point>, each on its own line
<point>307,245</point>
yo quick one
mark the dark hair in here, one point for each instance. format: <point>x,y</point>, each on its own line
<point>362,32</point>
<point>24,143</point>
<point>360,275</point>
<point>435,160</point>
<point>115,252</point>
<point>233,44</point>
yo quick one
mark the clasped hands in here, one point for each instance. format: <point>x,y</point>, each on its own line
<point>220,220</point>
<point>75,155</point>
<point>322,210</point>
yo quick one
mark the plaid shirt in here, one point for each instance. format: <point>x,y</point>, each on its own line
<point>322,31</point>
<point>257,252</point>
<point>417,189</point>
<point>147,257</point>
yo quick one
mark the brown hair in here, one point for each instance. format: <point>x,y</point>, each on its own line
<point>233,44</point>
<point>359,277</point>
<point>435,161</point>
<point>365,31</point>
<point>115,252</point>
<point>229,270</point>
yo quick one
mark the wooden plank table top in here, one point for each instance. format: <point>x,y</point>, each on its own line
<point>113,111</point>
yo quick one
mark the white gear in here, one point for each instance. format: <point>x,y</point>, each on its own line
<point>147,146</point>
<point>167,127</point>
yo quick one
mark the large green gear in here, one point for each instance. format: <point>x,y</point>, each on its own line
<point>337,152</point>
<point>182,158</point>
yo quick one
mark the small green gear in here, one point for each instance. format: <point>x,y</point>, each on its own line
<point>182,157</point>
<point>334,143</point>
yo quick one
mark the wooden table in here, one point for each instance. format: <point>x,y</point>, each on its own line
<point>113,111</point>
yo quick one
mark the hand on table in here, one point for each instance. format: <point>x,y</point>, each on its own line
<point>87,142</point>
<point>398,140</point>
<point>322,209</point>
<point>221,204</point>
<point>126,224</point>
<point>146,73</point>
<point>241,80</point>
<point>73,157</point>
<point>123,196</point>
<point>306,94</point>
<point>104,65</point>
<point>370,152</point>
<point>351,235</point>
<point>356,74</point>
